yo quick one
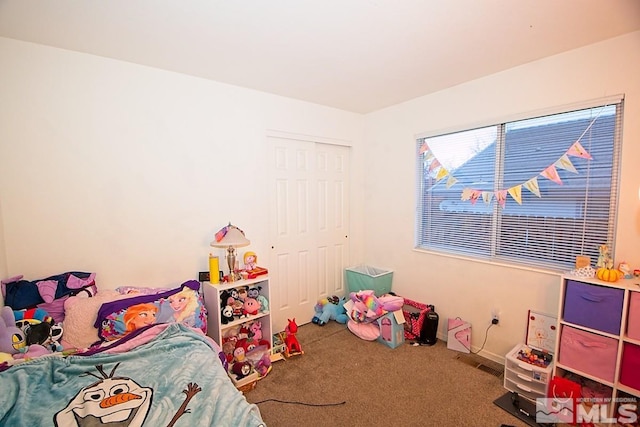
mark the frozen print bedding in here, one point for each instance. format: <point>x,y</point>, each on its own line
<point>160,375</point>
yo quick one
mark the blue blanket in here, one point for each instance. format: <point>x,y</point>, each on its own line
<point>174,379</point>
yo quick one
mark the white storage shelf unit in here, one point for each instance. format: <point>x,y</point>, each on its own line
<point>215,328</point>
<point>599,335</point>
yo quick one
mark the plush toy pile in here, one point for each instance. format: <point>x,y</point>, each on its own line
<point>245,349</point>
<point>364,307</point>
<point>14,342</point>
<point>241,302</point>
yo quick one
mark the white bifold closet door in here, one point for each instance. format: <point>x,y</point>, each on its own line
<point>308,226</point>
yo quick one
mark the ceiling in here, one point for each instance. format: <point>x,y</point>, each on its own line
<point>355,55</point>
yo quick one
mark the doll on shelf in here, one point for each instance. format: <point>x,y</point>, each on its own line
<point>251,269</point>
<point>250,260</point>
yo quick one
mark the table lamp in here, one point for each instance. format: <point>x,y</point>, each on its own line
<point>230,237</point>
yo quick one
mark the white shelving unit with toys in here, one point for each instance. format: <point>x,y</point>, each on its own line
<point>238,319</point>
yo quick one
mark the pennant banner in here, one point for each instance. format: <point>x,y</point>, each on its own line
<point>487,196</point>
<point>441,174</point>
<point>516,193</point>
<point>565,163</point>
<point>550,173</point>
<point>501,197</point>
<point>451,181</point>
<point>532,185</point>
<point>578,150</point>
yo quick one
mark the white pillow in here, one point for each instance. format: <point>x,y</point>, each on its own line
<point>80,315</point>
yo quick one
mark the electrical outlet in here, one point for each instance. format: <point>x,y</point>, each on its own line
<point>495,316</point>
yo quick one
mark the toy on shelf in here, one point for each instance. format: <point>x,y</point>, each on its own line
<point>241,302</point>
<point>254,292</point>
<point>251,269</point>
<point>331,308</point>
<point>625,270</point>
<point>604,257</point>
<point>291,342</point>
<point>535,357</point>
<point>250,260</point>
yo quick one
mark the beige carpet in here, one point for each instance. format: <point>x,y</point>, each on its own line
<point>405,386</point>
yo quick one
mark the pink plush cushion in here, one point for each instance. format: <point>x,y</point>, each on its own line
<point>80,315</point>
<point>365,330</point>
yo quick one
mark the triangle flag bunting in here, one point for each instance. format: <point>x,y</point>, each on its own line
<point>428,156</point>
<point>487,196</point>
<point>532,185</point>
<point>451,181</point>
<point>578,150</point>
<point>551,173</point>
<point>424,147</point>
<point>466,194</point>
<point>441,174</point>
<point>565,163</point>
<point>516,193</point>
<point>501,197</point>
<point>434,164</point>
<point>474,196</point>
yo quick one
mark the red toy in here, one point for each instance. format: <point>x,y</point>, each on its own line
<point>291,342</point>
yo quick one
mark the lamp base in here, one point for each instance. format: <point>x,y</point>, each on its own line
<point>231,263</point>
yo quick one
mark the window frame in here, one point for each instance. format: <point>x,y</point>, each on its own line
<point>421,241</point>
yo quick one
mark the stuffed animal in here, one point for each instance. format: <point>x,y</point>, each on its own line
<point>254,291</point>
<point>226,307</point>
<point>241,369</point>
<point>39,328</point>
<point>250,307</point>
<point>331,308</point>
<point>256,330</point>
<point>243,293</point>
<point>264,303</point>
<point>12,339</point>
<point>44,334</point>
<point>227,314</point>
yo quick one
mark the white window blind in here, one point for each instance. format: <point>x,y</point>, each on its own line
<point>537,191</point>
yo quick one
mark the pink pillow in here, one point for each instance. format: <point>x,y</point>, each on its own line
<point>366,331</point>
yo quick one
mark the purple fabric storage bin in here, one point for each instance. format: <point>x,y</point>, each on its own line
<point>630,368</point>
<point>587,352</point>
<point>593,306</point>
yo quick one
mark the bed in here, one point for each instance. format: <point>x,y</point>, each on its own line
<point>161,374</point>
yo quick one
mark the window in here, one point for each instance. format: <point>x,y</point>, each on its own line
<point>537,191</point>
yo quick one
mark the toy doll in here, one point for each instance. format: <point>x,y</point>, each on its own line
<point>250,261</point>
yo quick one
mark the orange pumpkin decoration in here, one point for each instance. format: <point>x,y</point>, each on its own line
<point>608,274</point>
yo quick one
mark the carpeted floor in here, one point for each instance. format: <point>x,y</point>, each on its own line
<point>343,380</point>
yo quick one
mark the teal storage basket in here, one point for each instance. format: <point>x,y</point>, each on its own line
<point>365,277</point>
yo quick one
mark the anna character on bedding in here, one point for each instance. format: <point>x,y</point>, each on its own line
<point>139,316</point>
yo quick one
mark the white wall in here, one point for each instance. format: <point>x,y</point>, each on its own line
<point>128,171</point>
<point>471,289</point>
